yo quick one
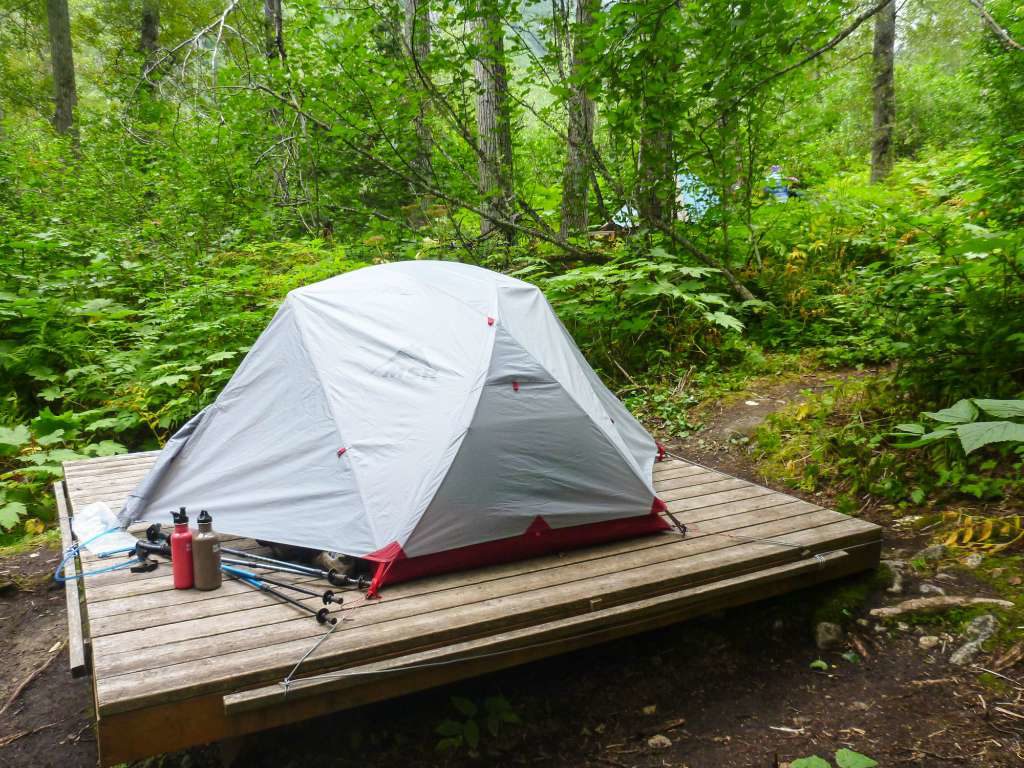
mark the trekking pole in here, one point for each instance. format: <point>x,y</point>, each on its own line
<point>153,533</point>
<point>327,596</point>
<point>253,580</point>
<point>335,578</point>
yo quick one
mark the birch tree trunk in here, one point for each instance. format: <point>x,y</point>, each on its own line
<point>65,96</point>
<point>884,92</point>
<point>494,126</point>
<point>417,45</point>
<point>578,170</point>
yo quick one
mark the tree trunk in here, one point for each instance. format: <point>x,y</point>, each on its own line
<point>62,61</point>
<point>273,30</point>
<point>576,177</point>
<point>150,29</point>
<point>884,93</point>
<point>656,188</point>
<point>417,45</point>
<point>149,34</point>
<point>494,127</point>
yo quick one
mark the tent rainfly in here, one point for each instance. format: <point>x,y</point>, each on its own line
<point>426,416</point>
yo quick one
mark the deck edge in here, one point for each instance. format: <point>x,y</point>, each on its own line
<point>77,644</point>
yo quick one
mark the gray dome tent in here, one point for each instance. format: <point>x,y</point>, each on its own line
<point>427,416</point>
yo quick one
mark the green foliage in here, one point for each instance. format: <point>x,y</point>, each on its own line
<point>491,717</point>
<point>639,307</point>
<point>137,268</point>
<point>961,421</point>
<point>30,460</point>
<point>845,758</point>
<point>839,440</point>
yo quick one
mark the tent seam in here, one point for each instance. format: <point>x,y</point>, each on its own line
<point>472,415</point>
<point>337,428</point>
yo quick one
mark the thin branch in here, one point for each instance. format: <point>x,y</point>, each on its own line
<point>999,31</point>
<point>826,47</point>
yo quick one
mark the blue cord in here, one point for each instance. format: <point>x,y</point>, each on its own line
<point>73,551</point>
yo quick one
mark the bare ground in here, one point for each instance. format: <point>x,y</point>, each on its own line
<point>729,690</point>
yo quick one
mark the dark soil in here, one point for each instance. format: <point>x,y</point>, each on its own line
<point>733,690</point>
<point>49,724</point>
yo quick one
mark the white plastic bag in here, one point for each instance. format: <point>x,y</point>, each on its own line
<point>96,527</point>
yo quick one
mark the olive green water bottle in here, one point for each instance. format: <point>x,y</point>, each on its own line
<point>206,554</point>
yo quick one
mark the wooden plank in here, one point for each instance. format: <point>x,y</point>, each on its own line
<point>422,617</point>
<point>205,618</point>
<point>174,725</point>
<point>113,584</point>
<point>76,636</point>
<point>195,677</point>
<point>668,484</point>
<point>81,478</point>
<point>677,469</point>
<point>140,457</point>
<point>223,629</point>
<point>554,632</point>
<point>613,556</point>
<point>702,489</point>
<point>151,587</point>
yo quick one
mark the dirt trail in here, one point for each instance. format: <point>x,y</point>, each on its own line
<point>729,423</point>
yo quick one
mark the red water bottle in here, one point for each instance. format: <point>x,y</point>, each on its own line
<point>181,550</point>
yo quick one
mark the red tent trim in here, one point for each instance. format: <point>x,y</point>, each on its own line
<point>539,539</point>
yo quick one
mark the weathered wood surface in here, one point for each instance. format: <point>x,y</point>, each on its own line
<point>211,661</point>
<point>78,657</point>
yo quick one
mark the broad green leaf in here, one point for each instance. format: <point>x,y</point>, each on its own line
<point>810,762</point>
<point>48,422</point>
<point>11,513</point>
<point>13,438</point>
<point>449,728</point>
<point>171,380</point>
<point>105,448</point>
<point>847,758</point>
<point>911,429</point>
<point>1002,409</point>
<point>982,433</point>
<point>471,733</point>
<point>928,439</point>
<point>465,707</point>
<point>960,412</point>
<point>216,357</point>
<point>43,471</point>
<point>54,437</point>
<point>724,320</point>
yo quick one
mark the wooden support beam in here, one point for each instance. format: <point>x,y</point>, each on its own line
<point>76,636</point>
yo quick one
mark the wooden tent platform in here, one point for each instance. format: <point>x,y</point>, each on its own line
<point>172,669</point>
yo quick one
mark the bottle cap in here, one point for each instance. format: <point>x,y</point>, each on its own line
<point>180,517</point>
<point>204,518</point>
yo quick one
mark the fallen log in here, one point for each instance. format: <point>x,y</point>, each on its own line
<point>935,605</point>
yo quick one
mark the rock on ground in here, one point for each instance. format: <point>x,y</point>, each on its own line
<point>658,741</point>
<point>932,554</point>
<point>828,636</point>
<point>978,631</point>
